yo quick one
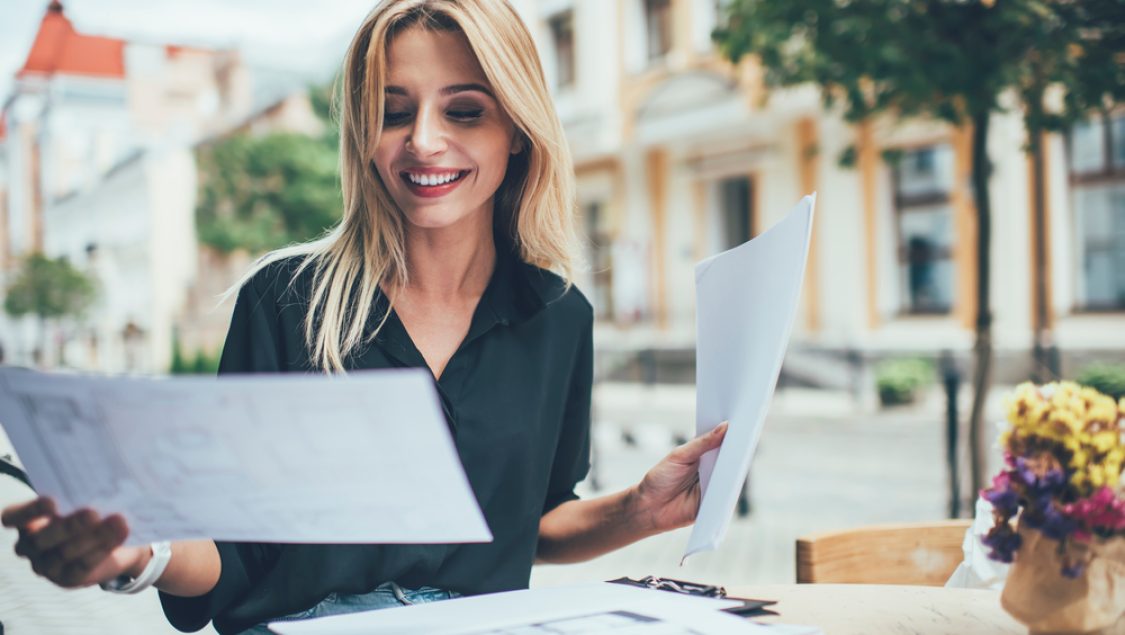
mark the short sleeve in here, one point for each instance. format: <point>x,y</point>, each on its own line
<point>252,346</point>
<point>572,455</point>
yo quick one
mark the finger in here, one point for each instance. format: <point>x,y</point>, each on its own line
<point>21,514</point>
<point>25,546</point>
<point>96,537</point>
<point>64,529</point>
<point>69,565</point>
<point>112,535</point>
<point>691,451</point>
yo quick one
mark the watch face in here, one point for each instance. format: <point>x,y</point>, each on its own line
<point>117,583</point>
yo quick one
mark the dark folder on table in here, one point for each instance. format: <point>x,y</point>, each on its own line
<point>749,607</point>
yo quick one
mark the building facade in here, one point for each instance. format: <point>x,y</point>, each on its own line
<point>97,165</point>
<point>680,154</point>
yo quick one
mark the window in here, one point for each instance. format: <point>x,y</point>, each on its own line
<point>601,260</point>
<point>562,36</point>
<point>658,27</point>
<point>736,209</point>
<point>1097,172</point>
<point>922,182</point>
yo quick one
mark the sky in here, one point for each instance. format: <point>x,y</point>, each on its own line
<point>305,37</point>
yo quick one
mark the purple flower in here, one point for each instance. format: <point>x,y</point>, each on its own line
<point>1039,484</point>
<point>1002,496</point>
<point>1002,542</point>
<point>1055,525</point>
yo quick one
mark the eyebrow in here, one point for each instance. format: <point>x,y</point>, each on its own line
<point>448,90</point>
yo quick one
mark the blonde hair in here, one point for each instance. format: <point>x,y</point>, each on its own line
<point>534,205</point>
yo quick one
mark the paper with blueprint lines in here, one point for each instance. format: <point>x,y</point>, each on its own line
<point>362,458</point>
<point>746,299</point>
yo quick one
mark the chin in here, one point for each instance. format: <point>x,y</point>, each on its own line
<point>433,218</point>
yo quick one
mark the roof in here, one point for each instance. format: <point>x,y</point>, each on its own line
<point>59,48</point>
<point>3,125</point>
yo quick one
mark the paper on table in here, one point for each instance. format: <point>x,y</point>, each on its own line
<point>584,609</point>
<point>746,299</point>
<point>280,458</point>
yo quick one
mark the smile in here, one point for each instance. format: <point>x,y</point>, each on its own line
<point>433,183</point>
<point>434,179</point>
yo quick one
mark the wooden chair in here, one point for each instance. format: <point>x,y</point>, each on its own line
<point>910,553</point>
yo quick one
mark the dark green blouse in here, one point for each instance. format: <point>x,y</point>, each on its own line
<point>516,394</point>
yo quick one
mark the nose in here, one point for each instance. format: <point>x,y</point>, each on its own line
<point>427,137</point>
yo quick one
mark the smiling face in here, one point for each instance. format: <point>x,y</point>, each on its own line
<point>445,141</point>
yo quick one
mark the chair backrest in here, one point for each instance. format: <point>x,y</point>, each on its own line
<point>909,553</point>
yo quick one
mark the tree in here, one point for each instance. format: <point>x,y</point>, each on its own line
<point>48,289</point>
<point>946,59</point>
<point>260,193</point>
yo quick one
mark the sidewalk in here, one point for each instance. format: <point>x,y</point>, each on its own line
<point>821,465</point>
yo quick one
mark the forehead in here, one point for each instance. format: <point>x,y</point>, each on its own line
<point>419,57</point>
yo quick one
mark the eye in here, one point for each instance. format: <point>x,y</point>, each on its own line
<point>466,114</point>
<point>395,118</point>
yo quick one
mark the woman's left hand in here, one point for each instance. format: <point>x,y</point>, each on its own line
<point>669,494</point>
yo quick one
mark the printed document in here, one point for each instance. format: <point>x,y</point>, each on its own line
<point>746,299</point>
<point>362,458</point>
<point>591,609</point>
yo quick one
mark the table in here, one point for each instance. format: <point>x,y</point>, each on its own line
<point>869,609</point>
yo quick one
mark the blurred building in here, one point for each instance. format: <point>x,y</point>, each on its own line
<point>681,155</point>
<point>97,164</point>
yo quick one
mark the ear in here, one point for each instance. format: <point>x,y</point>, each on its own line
<point>518,143</point>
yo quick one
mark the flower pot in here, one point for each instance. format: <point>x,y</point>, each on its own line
<point>1040,596</point>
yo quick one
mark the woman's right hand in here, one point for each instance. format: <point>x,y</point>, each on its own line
<point>75,550</point>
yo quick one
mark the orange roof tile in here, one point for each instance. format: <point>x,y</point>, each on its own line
<point>59,48</point>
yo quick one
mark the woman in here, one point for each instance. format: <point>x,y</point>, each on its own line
<point>458,200</point>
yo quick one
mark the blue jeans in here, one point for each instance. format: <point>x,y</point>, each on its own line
<point>385,596</point>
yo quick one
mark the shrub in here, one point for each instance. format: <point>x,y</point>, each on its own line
<point>898,380</point>
<point>199,364</point>
<point>1108,379</point>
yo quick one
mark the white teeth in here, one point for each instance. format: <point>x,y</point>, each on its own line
<point>432,179</point>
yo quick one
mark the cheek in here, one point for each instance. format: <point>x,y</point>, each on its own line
<point>383,157</point>
<point>493,155</point>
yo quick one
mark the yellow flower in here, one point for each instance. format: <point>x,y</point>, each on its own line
<point>1097,476</point>
<point>1079,460</point>
<point>1104,441</point>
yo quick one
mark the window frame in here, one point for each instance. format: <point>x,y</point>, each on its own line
<point>1108,175</point>
<point>663,18</point>
<point>567,59</point>
<point>905,203</point>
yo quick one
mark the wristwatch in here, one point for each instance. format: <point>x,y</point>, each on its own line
<point>125,583</point>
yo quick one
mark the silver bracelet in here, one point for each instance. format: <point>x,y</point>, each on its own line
<point>161,554</point>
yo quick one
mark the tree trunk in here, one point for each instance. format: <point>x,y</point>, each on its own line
<point>982,349</point>
<point>40,359</point>
<point>1045,366</point>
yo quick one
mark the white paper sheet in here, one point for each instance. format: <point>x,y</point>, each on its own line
<point>746,299</point>
<point>363,458</point>
<point>582,610</point>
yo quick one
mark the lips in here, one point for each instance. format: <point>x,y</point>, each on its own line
<point>433,182</point>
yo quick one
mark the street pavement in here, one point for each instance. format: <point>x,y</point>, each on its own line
<point>823,464</point>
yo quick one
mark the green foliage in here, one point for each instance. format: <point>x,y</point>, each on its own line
<point>936,58</point>
<point>898,380</point>
<point>321,98</point>
<point>49,288</point>
<point>1108,379</point>
<point>260,193</point>
<point>199,364</point>
<point>179,363</point>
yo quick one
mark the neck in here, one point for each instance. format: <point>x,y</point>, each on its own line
<point>453,262</point>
